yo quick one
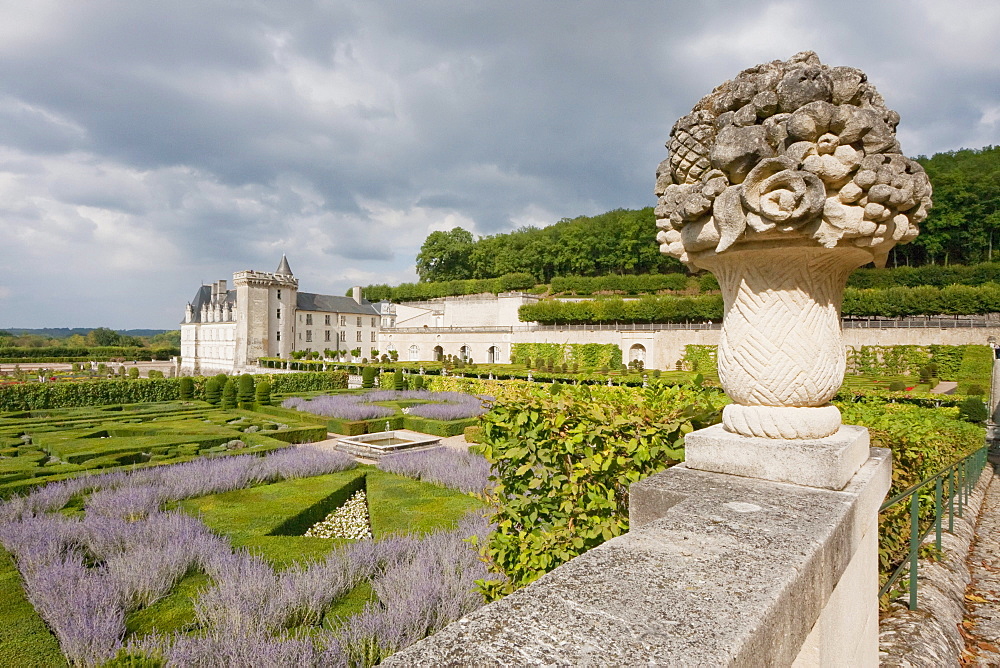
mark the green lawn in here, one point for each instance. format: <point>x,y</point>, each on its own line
<point>25,640</point>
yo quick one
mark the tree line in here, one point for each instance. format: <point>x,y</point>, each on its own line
<point>963,228</point>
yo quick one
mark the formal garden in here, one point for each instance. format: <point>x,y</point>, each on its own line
<point>183,524</point>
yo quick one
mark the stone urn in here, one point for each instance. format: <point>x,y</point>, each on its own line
<point>781,182</point>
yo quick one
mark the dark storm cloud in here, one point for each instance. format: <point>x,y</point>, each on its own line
<point>160,144</point>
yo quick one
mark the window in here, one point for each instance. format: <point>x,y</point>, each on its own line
<point>359,335</point>
<point>309,318</point>
<point>343,337</point>
<point>373,337</point>
<point>373,321</point>
<point>309,335</point>
<point>414,353</point>
<point>327,323</point>
<point>277,336</point>
<point>343,321</point>
<point>279,295</point>
<point>279,314</point>
<point>359,321</point>
<point>327,335</point>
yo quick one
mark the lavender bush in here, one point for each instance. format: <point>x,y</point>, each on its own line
<point>457,469</point>
<point>440,406</point>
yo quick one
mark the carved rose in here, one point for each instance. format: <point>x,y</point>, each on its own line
<point>776,192</point>
<point>800,152</point>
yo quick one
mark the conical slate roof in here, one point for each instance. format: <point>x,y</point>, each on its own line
<point>283,268</point>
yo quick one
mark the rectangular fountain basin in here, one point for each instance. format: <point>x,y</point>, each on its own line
<point>377,445</point>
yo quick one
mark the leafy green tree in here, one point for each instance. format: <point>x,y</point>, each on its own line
<point>102,336</point>
<point>444,256</point>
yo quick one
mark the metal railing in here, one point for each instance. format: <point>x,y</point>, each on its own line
<point>952,488</point>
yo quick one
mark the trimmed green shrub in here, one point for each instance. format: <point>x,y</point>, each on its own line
<point>972,409</point>
<point>368,377</point>
<point>245,391</point>
<point>262,394</point>
<point>398,382</point>
<point>185,388</point>
<point>897,386</point>
<point>213,391</point>
<point>133,372</point>
<point>229,394</point>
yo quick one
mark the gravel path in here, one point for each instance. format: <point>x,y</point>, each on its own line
<point>982,597</point>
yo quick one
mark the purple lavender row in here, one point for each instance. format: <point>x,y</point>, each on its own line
<point>452,406</point>
<point>134,493</point>
<point>456,469</point>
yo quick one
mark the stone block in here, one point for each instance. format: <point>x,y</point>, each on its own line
<point>729,571</point>
<point>828,462</point>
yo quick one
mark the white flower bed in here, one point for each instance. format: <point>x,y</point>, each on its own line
<point>348,521</point>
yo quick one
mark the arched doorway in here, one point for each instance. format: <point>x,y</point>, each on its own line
<point>493,355</point>
<point>637,353</point>
<point>438,353</point>
<point>465,352</point>
<point>414,353</point>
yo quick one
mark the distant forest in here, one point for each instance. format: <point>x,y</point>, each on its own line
<point>963,228</point>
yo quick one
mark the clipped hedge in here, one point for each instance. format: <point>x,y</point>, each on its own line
<point>30,396</point>
<point>563,463</point>
<point>628,284</point>
<point>932,274</point>
<point>653,309</point>
<point>84,353</point>
<point>665,309</point>
<point>586,355</point>
<point>405,292</point>
<point>298,524</point>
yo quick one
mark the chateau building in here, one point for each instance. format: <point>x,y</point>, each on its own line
<point>228,330</point>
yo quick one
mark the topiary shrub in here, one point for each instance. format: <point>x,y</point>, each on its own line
<point>229,394</point>
<point>186,388</point>
<point>245,391</point>
<point>263,393</point>
<point>213,391</point>
<point>975,390</point>
<point>972,409</point>
<point>897,386</point>
<point>398,382</point>
<point>368,377</point>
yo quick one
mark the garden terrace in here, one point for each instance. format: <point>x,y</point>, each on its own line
<point>242,586</point>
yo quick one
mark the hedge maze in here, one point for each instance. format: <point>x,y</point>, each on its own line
<point>39,446</point>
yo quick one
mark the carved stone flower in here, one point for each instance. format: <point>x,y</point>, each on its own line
<point>776,193</point>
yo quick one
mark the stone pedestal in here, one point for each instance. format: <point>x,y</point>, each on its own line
<point>828,462</point>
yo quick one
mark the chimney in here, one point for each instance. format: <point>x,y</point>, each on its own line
<point>222,290</point>
<point>357,293</point>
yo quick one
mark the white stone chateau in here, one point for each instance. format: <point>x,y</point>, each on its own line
<point>265,315</point>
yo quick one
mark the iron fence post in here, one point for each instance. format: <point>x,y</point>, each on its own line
<point>937,514</point>
<point>914,538</point>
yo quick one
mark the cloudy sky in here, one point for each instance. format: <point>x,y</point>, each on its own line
<point>148,147</point>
